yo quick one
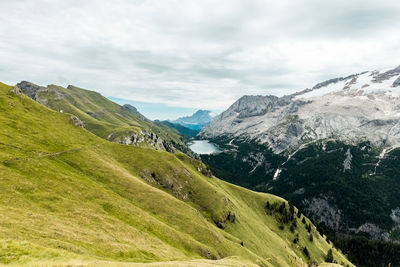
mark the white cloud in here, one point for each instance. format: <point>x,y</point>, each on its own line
<point>201,54</point>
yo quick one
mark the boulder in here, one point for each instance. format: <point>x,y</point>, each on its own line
<point>220,225</point>
<point>16,90</point>
<point>77,122</point>
<point>231,217</point>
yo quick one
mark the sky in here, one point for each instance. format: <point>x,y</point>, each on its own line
<point>172,57</point>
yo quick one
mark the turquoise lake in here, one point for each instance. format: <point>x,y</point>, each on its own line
<point>203,147</point>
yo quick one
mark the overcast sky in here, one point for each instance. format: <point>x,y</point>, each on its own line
<point>195,53</point>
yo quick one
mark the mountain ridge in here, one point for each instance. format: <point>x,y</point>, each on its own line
<point>355,108</point>
<point>121,124</point>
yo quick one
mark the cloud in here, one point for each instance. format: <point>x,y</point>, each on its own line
<point>195,54</point>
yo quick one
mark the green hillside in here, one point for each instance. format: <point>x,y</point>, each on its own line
<point>104,118</point>
<point>69,197</point>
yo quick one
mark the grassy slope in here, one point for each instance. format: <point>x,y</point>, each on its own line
<point>70,197</point>
<point>109,116</point>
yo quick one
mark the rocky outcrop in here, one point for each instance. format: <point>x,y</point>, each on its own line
<point>230,218</point>
<point>137,138</point>
<point>374,231</point>
<point>30,89</point>
<point>16,90</point>
<point>35,91</point>
<point>332,81</point>
<point>380,77</point>
<point>322,210</point>
<point>396,82</point>
<point>77,122</point>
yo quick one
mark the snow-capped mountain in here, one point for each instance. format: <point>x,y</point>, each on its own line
<point>196,121</point>
<point>360,107</point>
<point>332,150</point>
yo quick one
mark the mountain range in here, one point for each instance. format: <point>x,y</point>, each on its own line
<point>197,120</point>
<point>360,107</point>
<point>86,182</point>
<point>333,150</point>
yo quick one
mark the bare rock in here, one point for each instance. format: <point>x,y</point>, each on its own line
<point>207,172</point>
<point>322,210</point>
<point>231,217</point>
<point>396,82</point>
<point>16,90</point>
<point>220,224</point>
<point>30,89</point>
<point>77,122</point>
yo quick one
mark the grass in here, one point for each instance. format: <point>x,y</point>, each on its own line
<point>105,118</point>
<point>69,197</point>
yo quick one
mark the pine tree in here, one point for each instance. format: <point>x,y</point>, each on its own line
<point>296,239</point>
<point>329,256</point>
<point>305,251</point>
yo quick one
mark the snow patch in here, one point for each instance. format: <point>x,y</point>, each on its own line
<point>276,175</point>
<point>347,161</point>
<point>380,157</point>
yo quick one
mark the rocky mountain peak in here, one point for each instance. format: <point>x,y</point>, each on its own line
<point>130,108</point>
<point>197,120</point>
<point>29,89</point>
<point>361,106</point>
<point>248,106</point>
<point>134,111</point>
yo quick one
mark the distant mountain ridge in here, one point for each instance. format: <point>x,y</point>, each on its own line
<point>197,121</point>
